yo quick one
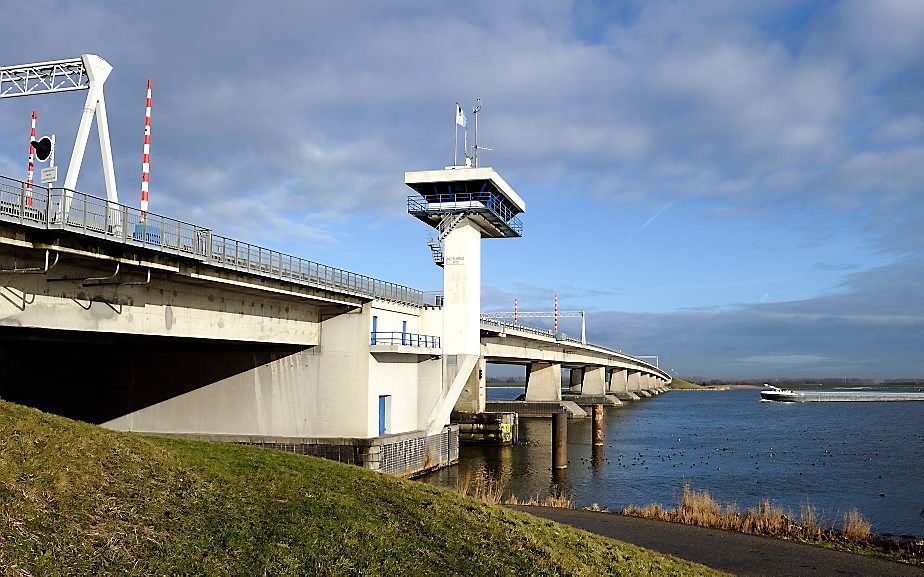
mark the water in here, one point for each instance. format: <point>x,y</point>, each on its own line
<point>835,456</point>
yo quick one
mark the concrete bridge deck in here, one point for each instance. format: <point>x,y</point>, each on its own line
<point>596,372</point>
<point>510,343</point>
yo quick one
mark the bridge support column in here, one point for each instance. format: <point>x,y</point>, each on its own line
<point>473,396</point>
<point>577,379</point>
<point>594,381</point>
<point>619,385</point>
<point>543,382</point>
<point>640,384</point>
<point>635,381</point>
<point>619,381</point>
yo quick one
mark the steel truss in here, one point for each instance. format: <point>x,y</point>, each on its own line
<point>89,72</point>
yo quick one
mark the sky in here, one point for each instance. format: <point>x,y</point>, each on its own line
<point>733,186</point>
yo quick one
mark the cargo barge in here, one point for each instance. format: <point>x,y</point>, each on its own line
<point>790,396</point>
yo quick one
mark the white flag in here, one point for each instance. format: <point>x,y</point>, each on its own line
<point>460,115</point>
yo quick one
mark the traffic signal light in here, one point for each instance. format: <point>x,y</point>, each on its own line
<point>43,148</point>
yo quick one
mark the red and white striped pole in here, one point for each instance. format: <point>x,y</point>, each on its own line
<point>514,311</point>
<point>146,156</point>
<point>556,313</point>
<point>31,162</point>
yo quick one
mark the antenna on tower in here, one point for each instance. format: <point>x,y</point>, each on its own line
<point>477,146</point>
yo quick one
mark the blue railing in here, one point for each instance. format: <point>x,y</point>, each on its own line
<point>408,339</point>
<point>480,201</point>
<point>58,208</point>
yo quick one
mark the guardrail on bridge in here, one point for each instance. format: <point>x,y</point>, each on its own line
<point>74,211</point>
<point>408,339</point>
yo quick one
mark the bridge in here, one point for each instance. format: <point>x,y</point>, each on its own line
<point>143,322</point>
<point>159,325</point>
<point>595,370</point>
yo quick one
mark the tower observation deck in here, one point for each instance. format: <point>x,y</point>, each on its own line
<point>479,193</point>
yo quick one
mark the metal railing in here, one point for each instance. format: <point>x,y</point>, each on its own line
<point>544,332</point>
<point>408,339</point>
<point>18,204</point>
<point>433,298</point>
<point>467,201</point>
<point>63,209</point>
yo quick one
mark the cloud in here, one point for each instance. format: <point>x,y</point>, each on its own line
<point>658,101</point>
<point>871,326</point>
<point>532,297</point>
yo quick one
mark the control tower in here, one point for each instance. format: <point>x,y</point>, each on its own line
<point>463,205</point>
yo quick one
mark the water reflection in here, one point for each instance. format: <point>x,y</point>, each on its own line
<point>597,460</point>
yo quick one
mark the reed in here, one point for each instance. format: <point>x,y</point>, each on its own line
<point>854,527</point>
<point>557,501</point>
<point>699,508</point>
<point>808,517</point>
<point>480,484</point>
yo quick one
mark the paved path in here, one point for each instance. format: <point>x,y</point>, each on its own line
<point>736,553</point>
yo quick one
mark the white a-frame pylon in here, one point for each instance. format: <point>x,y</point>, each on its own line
<point>89,72</point>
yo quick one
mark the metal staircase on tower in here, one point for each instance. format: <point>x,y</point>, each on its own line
<point>446,226</point>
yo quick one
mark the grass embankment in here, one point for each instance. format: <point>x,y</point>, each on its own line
<point>682,384</point>
<point>76,499</point>
<point>854,534</point>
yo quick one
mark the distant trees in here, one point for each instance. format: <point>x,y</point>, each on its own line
<point>505,380</point>
<point>798,381</point>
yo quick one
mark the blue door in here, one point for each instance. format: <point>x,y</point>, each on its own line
<point>383,413</point>
<point>403,332</point>
<point>375,324</point>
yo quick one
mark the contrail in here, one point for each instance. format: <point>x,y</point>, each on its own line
<point>657,214</point>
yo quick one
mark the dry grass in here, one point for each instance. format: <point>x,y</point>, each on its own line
<point>556,501</point>
<point>482,485</point>
<point>699,508</point>
<point>855,527</point>
<point>811,528</point>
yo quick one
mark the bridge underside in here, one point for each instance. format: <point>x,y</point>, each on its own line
<point>115,378</point>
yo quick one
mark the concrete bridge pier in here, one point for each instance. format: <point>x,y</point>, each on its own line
<point>591,389</point>
<point>543,382</point>
<point>619,385</point>
<point>576,380</point>
<point>656,384</point>
<point>636,379</point>
<point>594,381</point>
<point>543,394</point>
